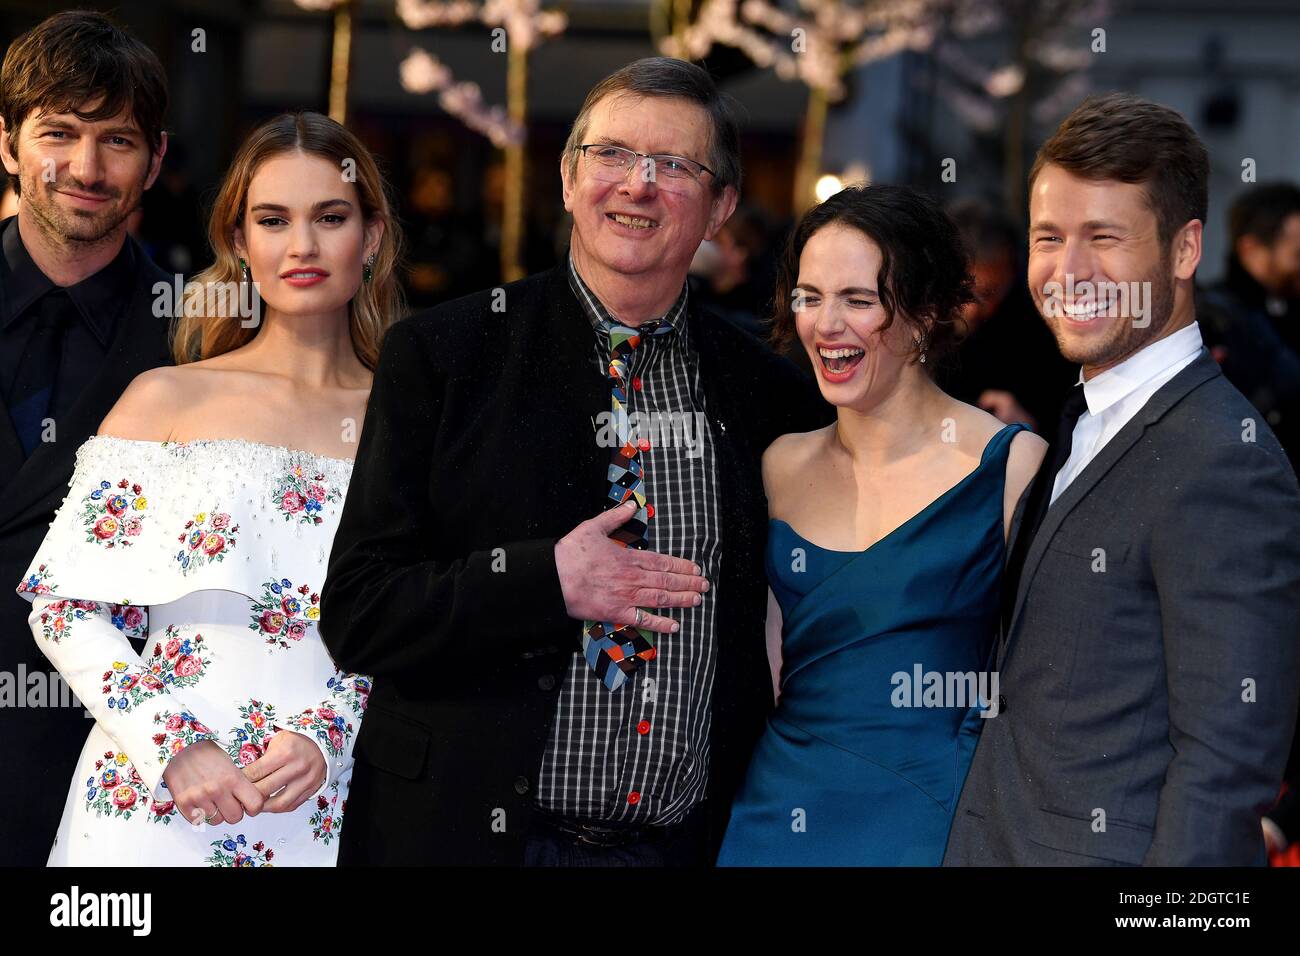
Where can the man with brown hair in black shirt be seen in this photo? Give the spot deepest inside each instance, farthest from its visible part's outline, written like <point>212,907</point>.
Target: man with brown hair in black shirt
<point>81,137</point>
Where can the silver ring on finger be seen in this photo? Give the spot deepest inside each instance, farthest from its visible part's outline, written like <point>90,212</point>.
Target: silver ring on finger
<point>199,811</point>
<point>639,616</point>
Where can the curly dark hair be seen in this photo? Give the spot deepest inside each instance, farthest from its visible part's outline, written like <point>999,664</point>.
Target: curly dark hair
<point>924,271</point>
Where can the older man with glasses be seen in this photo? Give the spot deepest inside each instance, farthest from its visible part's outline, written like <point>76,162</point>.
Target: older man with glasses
<point>551,554</point>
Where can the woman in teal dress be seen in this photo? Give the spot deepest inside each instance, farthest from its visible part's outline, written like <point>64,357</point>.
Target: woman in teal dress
<point>885,550</point>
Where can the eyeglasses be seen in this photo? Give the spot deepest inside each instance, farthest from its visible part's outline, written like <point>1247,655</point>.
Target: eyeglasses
<point>611,163</point>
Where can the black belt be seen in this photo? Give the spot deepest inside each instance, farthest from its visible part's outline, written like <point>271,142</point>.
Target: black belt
<point>614,834</point>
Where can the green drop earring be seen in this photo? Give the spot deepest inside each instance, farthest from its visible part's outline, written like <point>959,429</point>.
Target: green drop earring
<point>368,268</point>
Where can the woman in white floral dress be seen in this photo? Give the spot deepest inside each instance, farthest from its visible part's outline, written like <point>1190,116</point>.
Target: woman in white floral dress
<point>178,589</point>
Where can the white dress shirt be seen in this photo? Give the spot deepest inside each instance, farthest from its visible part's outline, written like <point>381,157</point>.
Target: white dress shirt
<point>1117,394</point>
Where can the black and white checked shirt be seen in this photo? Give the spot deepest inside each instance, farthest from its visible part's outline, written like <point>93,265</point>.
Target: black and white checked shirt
<point>641,754</point>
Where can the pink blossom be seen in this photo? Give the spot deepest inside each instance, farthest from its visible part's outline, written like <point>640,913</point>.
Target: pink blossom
<point>105,527</point>
<point>188,665</point>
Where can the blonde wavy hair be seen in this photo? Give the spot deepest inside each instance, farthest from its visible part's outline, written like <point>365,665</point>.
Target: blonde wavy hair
<point>203,328</point>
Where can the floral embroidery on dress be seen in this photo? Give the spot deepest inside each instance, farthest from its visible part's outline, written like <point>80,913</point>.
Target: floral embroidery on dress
<point>106,515</point>
<point>327,822</point>
<point>281,616</point>
<point>115,789</point>
<point>206,537</point>
<point>186,656</point>
<point>57,617</point>
<point>298,497</point>
<point>179,731</point>
<point>249,740</point>
<point>162,811</point>
<point>235,851</point>
<point>351,689</point>
<point>178,663</point>
<point>327,725</point>
<point>36,582</point>
<point>129,619</point>
<point>325,722</point>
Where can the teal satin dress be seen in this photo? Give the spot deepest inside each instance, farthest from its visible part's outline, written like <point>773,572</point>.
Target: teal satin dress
<point>863,760</point>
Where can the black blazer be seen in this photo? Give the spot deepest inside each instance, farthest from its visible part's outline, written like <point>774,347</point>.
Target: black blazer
<point>45,741</point>
<point>479,447</point>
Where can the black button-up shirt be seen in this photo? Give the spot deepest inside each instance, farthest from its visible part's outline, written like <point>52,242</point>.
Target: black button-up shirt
<point>91,311</point>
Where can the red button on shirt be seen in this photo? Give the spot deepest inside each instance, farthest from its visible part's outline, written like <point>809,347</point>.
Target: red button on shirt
<point>634,798</point>
<point>636,382</point>
<point>643,728</point>
<point>643,444</point>
<point>649,511</point>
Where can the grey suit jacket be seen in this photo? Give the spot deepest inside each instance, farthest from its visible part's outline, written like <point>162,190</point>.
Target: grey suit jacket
<point>1150,668</point>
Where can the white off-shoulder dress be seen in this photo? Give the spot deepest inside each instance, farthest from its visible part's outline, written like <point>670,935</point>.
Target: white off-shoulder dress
<point>178,593</point>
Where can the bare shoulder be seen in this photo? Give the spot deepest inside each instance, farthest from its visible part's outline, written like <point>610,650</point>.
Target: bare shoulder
<point>1023,459</point>
<point>788,456</point>
<point>973,427</point>
<point>146,408</point>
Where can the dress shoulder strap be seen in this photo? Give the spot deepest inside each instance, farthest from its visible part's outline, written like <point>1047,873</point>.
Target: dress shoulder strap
<point>999,445</point>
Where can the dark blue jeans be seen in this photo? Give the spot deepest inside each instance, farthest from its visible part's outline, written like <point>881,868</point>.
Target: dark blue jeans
<point>681,845</point>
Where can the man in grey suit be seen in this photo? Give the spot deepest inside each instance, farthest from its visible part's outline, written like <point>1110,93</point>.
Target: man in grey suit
<point>1149,654</point>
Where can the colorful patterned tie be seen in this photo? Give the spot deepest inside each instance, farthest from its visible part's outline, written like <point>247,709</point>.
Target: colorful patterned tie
<point>615,651</point>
